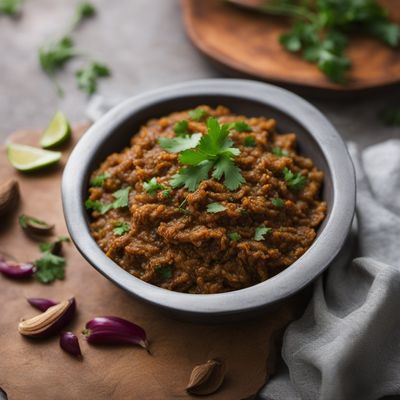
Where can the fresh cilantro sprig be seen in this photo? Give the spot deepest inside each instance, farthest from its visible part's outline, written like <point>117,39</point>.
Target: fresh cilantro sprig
<point>84,10</point>
<point>87,77</point>
<point>249,141</point>
<point>241,126</point>
<point>320,29</point>
<point>294,181</point>
<point>234,236</point>
<point>121,227</point>
<point>121,200</point>
<point>10,7</point>
<point>212,152</point>
<point>278,202</point>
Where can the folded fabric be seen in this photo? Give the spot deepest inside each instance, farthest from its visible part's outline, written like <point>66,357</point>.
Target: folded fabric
<point>346,345</point>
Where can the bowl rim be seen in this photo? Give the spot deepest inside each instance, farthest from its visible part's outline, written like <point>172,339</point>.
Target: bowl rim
<point>298,275</point>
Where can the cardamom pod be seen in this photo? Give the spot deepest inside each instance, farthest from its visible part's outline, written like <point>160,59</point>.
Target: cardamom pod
<point>9,195</point>
<point>49,322</point>
<point>206,378</point>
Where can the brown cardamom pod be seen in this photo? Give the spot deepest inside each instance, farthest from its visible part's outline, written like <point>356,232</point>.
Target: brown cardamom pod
<point>206,378</point>
<point>9,195</point>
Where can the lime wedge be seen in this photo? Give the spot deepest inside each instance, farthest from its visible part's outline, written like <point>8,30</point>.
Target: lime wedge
<point>28,158</point>
<point>57,132</point>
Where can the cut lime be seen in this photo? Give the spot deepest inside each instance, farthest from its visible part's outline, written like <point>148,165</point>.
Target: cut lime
<point>28,158</point>
<point>57,132</point>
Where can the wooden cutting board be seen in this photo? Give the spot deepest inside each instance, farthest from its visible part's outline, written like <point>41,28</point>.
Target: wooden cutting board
<point>246,42</point>
<point>40,370</point>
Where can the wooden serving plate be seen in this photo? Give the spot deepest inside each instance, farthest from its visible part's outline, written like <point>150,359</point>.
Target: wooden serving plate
<point>246,41</point>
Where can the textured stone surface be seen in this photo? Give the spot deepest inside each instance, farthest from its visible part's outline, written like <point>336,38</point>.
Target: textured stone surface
<point>144,43</point>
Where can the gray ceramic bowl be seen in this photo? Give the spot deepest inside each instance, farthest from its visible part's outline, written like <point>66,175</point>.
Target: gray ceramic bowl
<point>316,138</point>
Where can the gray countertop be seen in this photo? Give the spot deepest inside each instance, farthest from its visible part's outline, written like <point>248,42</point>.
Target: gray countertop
<point>145,45</point>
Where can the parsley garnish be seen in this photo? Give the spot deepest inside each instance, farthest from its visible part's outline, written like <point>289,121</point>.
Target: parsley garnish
<point>294,181</point>
<point>121,200</point>
<point>166,193</point>
<point>87,77</point>
<point>249,141</point>
<point>197,114</point>
<point>178,144</point>
<point>181,128</point>
<point>242,126</point>
<point>234,236</point>
<point>260,232</point>
<point>213,152</point>
<point>215,208</point>
<point>165,272</point>
<point>279,152</point>
<point>277,202</point>
<point>10,7</point>
<point>121,227</point>
<point>98,181</point>
<point>50,266</point>
<point>152,186</point>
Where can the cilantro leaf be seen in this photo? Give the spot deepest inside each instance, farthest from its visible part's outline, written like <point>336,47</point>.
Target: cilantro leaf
<point>197,114</point>
<point>226,167</point>
<point>54,55</point>
<point>87,77</point>
<point>260,232</point>
<point>249,141</point>
<point>121,197</point>
<point>277,202</point>
<point>49,268</point>
<point>190,177</point>
<point>179,144</point>
<point>53,247</point>
<point>242,126</point>
<point>121,200</point>
<point>121,227</point>
<point>234,236</point>
<point>181,128</point>
<point>165,272</point>
<point>215,207</point>
<point>279,152</point>
<point>98,181</point>
<point>152,186</point>
<point>294,181</point>
<point>10,7</point>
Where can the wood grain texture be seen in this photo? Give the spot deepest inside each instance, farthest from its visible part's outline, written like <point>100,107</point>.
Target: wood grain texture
<point>40,370</point>
<point>247,41</point>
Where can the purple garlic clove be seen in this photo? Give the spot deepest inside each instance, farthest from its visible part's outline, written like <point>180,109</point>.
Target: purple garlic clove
<point>49,322</point>
<point>114,330</point>
<point>70,344</point>
<point>41,304</point>
<point>16,270</point>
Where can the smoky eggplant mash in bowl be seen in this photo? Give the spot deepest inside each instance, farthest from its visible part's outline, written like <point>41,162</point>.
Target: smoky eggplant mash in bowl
<point>210,198</point>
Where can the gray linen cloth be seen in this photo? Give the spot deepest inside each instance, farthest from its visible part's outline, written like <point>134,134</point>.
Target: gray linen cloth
<point>346,346</point>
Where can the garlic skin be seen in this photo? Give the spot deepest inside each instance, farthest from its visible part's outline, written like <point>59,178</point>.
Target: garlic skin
<point>49,322</point>
<point>206,378</point>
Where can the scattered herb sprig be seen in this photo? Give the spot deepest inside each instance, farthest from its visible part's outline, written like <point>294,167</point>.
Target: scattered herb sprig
<point>320,30</point>
<point>121,227</point>
<point>88,76</point>
<point>294,181</point>
<point>10,7</point>
<point>260,233</point>
<point>121,200</point>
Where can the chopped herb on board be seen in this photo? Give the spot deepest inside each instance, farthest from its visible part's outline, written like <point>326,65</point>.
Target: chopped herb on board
<point>87,77</point>
<point>49,267</point>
